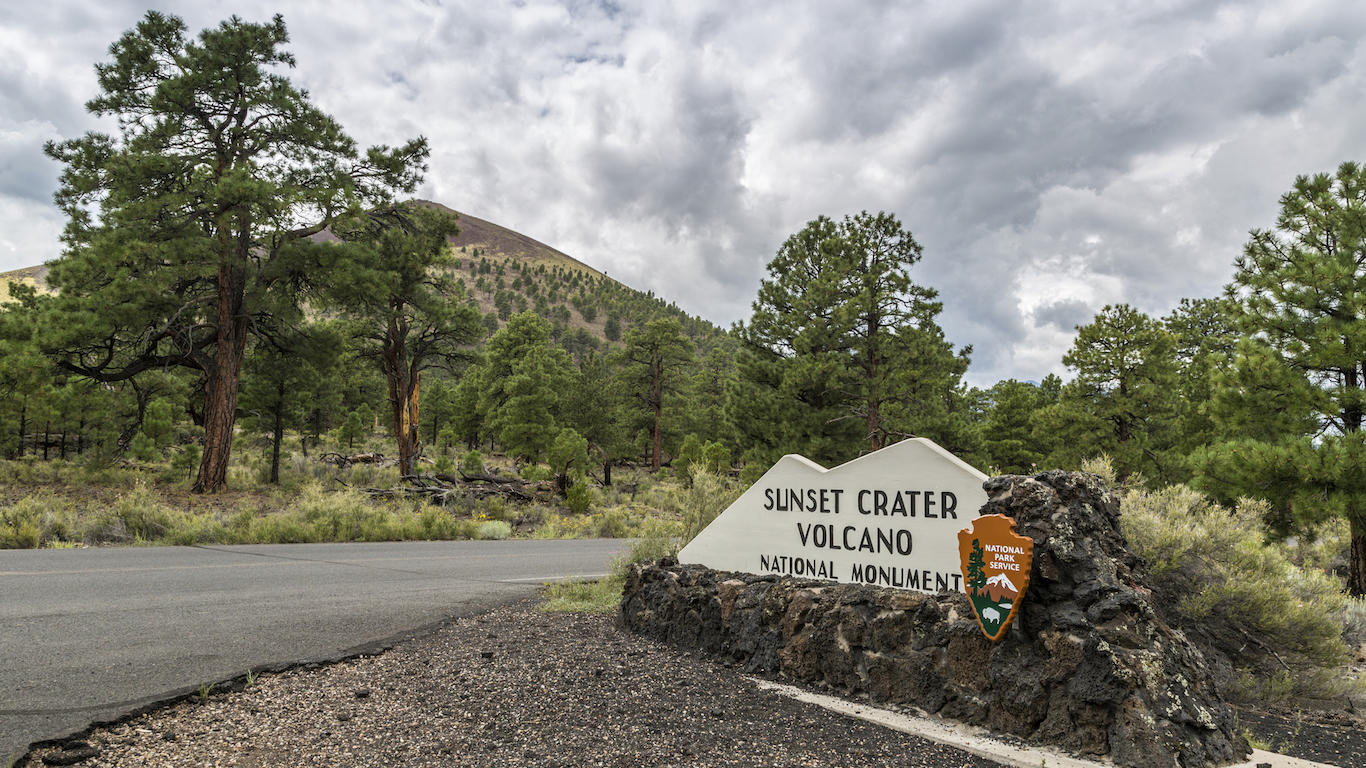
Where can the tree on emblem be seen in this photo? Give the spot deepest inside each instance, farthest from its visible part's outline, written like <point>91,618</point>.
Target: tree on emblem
<point>977,575</point>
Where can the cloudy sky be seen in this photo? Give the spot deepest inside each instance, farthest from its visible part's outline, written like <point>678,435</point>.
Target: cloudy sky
<point>1050,156</point>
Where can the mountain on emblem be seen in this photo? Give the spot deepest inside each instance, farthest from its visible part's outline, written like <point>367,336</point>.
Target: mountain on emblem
<point>994,559</point>
<point>1000,580</point>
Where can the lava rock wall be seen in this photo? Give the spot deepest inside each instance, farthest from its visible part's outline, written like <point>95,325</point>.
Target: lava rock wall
<point>1087,665</point>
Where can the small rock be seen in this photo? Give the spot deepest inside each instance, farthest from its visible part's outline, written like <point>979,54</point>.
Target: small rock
<point>362,693</point>
<point>343,716</point>
<point>486,654</point>
<point>169,736</point>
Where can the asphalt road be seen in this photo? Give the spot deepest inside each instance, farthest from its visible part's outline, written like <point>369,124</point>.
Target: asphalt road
<point>92,634</point>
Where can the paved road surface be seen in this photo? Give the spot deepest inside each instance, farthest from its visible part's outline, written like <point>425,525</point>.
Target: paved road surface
<point>91,634</point>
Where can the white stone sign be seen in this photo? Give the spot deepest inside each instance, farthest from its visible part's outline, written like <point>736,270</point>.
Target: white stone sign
<point>890,519</point>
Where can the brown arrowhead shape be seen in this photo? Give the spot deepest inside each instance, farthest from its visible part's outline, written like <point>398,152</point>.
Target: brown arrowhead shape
<point>995,562</point>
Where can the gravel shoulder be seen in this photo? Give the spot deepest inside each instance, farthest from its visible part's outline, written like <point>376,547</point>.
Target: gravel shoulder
<point>517,687</point>
<point>510,687</point>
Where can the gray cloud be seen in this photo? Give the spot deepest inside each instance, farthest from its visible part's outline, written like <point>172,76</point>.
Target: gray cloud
<point>1051,159</point>
<point>1064,315</point>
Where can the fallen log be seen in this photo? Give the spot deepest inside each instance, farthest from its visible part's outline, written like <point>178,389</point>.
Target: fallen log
<point>482,477</point>
<point>343,461</point>
<point>445,490</point>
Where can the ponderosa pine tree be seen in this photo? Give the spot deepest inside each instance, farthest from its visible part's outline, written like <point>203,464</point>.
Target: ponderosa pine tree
<point>654,359</point>
<point>406,314</point>
<point>840,331</point>
<point>520,382</point>
<point>194,222</point>
<point>1123,400</point>
<point>1008,427</point>
<point>1206,335</point>
<point>25,373</point>
<point>1293,397</point>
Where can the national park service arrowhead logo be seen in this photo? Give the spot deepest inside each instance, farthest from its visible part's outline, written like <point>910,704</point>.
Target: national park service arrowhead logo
<point>995,562</point>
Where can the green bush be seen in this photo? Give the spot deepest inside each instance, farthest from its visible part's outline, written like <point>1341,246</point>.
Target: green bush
<point>141,514</point>
<point>716,457</point>
<point>472,463</point>
<point>143,448</point>
<point>187,461</point>
<point>613,524</point>
<point>19,528</point>
<point>1216,577</point>
<point>39,520</point>
<point>494,530</point>
<point>689,454</point>
<point>443,465</point>
<point>579,497</point>
<point>699,504</point>
<point>535,473</point>
<point>753,469</point>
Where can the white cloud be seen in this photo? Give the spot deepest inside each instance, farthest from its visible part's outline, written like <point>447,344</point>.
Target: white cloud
<point>1051,158</point>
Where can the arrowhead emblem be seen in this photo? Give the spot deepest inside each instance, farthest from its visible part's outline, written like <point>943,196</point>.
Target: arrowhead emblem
<point>995,562</point>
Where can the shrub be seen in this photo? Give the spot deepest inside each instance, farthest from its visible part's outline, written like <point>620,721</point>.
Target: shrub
<point>568,457</point>
<point>699,504</point>
<point>716,457</point>
<point>1215,576</point>
<point>19,527</point>
<point>38,520</point>
<point>689,454</point>
<point>443,464</point>
<point>143,448</point>
<point>754,467</point>
<point>535,473</point>
<point>140,514</point>
<point>579,497</point>
<point>185,462</point>
<point>613,524</point>
<point>472,463</point>
<point>494,530</point>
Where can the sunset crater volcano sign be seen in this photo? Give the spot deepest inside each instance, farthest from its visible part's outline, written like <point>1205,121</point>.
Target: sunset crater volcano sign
<point>889,519</point>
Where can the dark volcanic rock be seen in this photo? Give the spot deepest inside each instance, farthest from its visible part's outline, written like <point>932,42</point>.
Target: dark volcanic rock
<point>1087,665</point>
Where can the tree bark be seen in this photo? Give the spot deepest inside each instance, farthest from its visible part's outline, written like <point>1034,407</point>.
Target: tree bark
<point>657,400</point>
<point>224,380</point>
<point>403,397</point>
<point>278,434</point>
<point>23,425</point>
<point>1356,571</point>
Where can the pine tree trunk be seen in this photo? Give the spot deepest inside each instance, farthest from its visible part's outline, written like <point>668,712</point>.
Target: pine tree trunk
<point>278,435</point>
<point>220,392</point>
<point>1356,572</point>
<point>23,426</point>
<point>403,394</point>
<point>657,400</point>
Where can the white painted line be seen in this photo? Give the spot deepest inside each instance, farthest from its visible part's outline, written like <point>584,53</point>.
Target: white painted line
<point>979,741</point>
